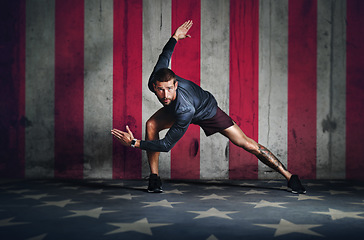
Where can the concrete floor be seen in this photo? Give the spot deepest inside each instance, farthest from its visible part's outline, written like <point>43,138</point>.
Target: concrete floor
<point>122,209</point>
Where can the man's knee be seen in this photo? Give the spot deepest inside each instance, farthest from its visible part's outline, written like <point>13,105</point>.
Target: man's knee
<point>151,126</point>
<point>159,121</point>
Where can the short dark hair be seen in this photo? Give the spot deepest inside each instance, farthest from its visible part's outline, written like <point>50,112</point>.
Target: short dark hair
<point>164,75</point>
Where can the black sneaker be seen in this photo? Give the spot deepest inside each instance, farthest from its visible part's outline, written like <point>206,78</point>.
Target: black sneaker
<point>155,184</point>
<point>294,184</point>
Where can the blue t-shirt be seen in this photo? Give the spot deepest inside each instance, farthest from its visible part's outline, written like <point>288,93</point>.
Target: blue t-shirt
<point>191,105</point>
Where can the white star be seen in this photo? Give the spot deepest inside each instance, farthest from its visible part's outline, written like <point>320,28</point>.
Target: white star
<point>359,203</point>
<point>39,237</point>
<point>307,197</point>
<point>175,191</point>
<point>94,213</point>
<point>7,222</point>
<point>213,212</point>
<point>70,188</point>
<point>337,214</point>
<point>99,191</point>
<point>337,181</point>
<point>286,227</point>
<point>37,196</point>
<point>125,196</point>
<point>212,237</point>
<point>162,203</point>
<point>19,191</point>
<point>255,192</point>
<point>214,187</point>
<point>275,181</point>
<point>334,192</point>
<point>247,184</point>
<point>57,203</point>
<point>141,226</point>
<point>264,203</point>
<point>213,196</point>
<point>213,181</point>
<point>282,187</point>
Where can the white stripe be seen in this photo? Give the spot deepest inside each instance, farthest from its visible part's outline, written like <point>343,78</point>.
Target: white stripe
<point>98,87</point>
<point>331,88</point>
<point>215,79</point>
<point>273,74</point>
<point>39,88</point>
<point>157,19</point>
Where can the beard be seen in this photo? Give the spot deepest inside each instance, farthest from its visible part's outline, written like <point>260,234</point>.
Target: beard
<point>165,101</point>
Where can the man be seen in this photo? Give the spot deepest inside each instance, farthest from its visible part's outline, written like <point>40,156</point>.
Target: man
<point>184,103</point>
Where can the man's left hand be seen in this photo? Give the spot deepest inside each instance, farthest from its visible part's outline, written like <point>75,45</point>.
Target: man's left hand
<point>124,137</point>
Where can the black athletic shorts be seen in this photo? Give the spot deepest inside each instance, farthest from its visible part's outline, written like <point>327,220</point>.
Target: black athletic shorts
<point>215,124</point>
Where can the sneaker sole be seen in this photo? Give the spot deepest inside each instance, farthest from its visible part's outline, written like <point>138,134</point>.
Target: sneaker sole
<point>155,191</point>
<point>296,192</point>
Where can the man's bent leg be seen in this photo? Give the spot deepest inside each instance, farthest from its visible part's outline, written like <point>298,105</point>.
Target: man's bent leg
<point>237,136</point>
<point>159,121</point>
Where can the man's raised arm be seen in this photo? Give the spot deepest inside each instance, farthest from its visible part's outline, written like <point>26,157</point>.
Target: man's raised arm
<point>165,56</point>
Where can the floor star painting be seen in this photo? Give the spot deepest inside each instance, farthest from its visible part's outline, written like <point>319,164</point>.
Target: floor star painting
<point>206,210</point>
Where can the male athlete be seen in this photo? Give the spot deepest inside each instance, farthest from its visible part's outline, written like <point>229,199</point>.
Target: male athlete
<point>184,103</point>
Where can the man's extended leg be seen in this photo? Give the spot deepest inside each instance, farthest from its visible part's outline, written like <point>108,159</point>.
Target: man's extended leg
<point>237,136</point>
<point>159,121</point>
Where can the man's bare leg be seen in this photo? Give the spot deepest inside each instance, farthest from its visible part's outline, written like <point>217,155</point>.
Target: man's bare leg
<point>153,157</point>
<point>159,121</point>
<point>237,136</point>
<point>266,157</point>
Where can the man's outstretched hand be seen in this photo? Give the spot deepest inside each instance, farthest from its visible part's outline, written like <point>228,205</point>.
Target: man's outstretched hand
<point>181,32</point>
<point>124,137</point>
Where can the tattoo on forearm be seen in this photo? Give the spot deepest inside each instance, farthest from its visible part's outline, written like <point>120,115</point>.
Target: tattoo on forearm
<point>269,159</point>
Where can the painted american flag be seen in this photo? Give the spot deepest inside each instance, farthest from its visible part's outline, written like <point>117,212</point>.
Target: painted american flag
<point>289,72</point>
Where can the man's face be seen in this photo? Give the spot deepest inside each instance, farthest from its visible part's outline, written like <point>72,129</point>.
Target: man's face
<point>166,91</point>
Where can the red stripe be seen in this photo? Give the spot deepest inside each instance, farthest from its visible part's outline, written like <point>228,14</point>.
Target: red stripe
<point>127,85</point>
<point>69,67</point>
<point>21,84</point>
<point>354,89</point>
<point>244,60</point>
<point>185,156</point>
<point>302,36</point>
<point>12,89</point>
